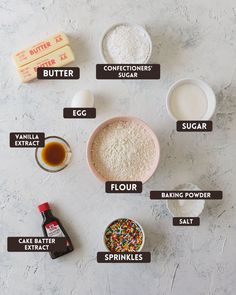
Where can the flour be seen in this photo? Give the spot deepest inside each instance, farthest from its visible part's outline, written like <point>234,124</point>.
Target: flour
<point>123,151</point>
<point>126,44</point>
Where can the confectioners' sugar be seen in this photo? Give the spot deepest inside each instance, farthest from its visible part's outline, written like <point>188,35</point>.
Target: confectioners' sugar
<point>123,151</point>
<point>126,44</point>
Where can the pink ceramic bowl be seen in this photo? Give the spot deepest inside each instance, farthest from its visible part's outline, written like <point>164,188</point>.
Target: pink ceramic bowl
<point>126,119</point>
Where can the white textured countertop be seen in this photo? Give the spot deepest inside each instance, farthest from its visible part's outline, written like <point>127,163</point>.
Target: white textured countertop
<point>190,38</point>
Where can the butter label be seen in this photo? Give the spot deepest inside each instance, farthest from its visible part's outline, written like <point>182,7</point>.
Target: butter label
<point>40,49</point>
<point>55,73</point>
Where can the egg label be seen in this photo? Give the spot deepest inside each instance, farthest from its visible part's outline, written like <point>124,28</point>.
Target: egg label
<point>186,195</point>
<point>79,113</point>
<point>194,126</point>
<point>56,73</point>
<point>128,71</point>
<point>186,221</point>
<point>126,257</point>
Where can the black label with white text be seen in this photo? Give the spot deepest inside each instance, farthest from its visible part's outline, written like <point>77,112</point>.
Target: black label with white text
<point>57,73</point>
<point>186,221</point>
<point>186,195</point>
<point>128,71</point>
<point>27,139</point>
<point>194,126</point>
<point>124,257</point>
<point>124,187</point>
<point>79,113</point>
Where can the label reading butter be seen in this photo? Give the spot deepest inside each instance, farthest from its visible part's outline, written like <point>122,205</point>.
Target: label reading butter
<point>58,58</point>
<point>68,73</point>
<point>40,49</point>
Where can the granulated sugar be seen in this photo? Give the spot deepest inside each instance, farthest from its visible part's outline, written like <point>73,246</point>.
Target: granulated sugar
<point>123,151</point>
<point>126,44</point>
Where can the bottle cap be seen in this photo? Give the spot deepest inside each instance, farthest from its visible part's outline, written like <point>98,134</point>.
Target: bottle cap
<point>43,207</point>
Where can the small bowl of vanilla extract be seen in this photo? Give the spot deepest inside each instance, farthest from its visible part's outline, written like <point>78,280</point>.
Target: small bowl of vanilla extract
<point>55,155</point>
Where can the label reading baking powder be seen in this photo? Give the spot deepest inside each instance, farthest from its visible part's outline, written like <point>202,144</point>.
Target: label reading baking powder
<point>194,126</point>
<point>186,221</point>
<point>124,257</point>
<point>186,195</point>
<point>124,187</point>
<point>56,73</point>
<point>128,71</point>
<point>79,113</point>
<point>36,244</point>
<point>27,139</point>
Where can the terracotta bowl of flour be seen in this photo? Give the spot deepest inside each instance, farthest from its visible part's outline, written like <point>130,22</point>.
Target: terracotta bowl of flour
<point>123,149</point>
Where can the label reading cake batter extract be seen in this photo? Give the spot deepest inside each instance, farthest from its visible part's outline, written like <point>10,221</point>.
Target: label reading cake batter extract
<point>124,187</point>
<point>194,126</point>
<point>27,139</point>
<point>124,257</point>
<point>128,71</point>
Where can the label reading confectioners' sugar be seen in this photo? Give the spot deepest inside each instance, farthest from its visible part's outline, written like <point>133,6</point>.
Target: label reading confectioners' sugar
<point>124,187</point>
<point>79,113</point>
<point>194,126</point>
<point>27,139</point>
<point>124,257</point>
<point>54,230</point>
<point>56,73</point>
<point>186,221</point>
<point>128,71</point>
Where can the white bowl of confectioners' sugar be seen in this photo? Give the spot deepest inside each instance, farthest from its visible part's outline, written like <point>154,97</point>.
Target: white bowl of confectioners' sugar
<point>190,99</point>
<point>126,44</point>
<point>186,207</point>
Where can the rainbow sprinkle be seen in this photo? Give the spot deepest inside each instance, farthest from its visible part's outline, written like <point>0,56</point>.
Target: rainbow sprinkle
<point>123,235</point>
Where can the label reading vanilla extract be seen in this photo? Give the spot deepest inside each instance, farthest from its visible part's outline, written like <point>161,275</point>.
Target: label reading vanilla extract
<point>128,71</point>
<point>124,257</point>
<point>27,139</point>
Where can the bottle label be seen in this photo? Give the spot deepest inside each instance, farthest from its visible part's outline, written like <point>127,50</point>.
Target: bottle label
<point>54,230</point>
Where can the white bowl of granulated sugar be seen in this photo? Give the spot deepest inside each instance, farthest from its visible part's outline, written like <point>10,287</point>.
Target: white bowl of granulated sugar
<point>123,149</point>
<point>126,43</point>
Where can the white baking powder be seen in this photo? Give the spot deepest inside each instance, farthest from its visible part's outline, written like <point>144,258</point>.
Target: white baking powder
<point>123,151</point>
<point>126,44</point>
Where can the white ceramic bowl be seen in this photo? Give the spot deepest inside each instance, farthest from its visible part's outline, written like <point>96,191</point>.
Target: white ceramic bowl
<point>103,55</point>
<point>197,205</point>
<point>134,221</point>
<point>211,99</point>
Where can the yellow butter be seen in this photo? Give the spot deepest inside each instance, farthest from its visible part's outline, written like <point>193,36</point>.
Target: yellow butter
<point>57,58</point>
<point>40,49</point>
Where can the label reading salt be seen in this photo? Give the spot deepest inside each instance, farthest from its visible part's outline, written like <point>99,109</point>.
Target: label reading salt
<point>194,126</point>
<point>124,257</point>
<point>27,139</point>
<point>56,73</point>
<point>128,71</point>
<point>186,195</point>
<point>186,221</point>
<point>124,187</point>
<point>79,113</point>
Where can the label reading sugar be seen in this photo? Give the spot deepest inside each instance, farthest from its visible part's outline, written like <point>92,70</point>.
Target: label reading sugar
<point>186,195</point>
<point>79,113</point>
<point>36,244</point>
<point>124,257</point>
<point>56,73</point>
<point>127,71</point>
<point>54,230</point>
<point>27,139</point>
<point>124,187</point>
<point>186,221</point>
<point>194,126</point>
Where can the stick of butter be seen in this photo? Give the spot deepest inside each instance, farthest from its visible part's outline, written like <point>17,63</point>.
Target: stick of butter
<point>40,49</point>
<point>58,58</point>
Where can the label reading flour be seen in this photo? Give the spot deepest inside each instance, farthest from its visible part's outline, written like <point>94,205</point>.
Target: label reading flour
<point>128,71</point>
<point>27,139</point>
<point>123,187</point>
<point>194,126</point>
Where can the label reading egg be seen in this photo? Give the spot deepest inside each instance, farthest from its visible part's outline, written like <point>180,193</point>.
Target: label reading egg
<point>79,113</point>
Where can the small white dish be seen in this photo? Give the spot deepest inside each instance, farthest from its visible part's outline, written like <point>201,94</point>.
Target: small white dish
<point>103,55</point>
<point>185,208</point>
<point>210,96</point>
